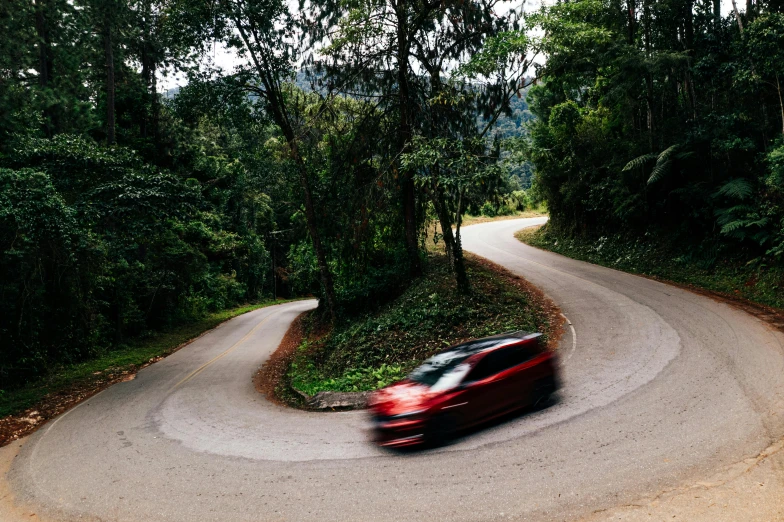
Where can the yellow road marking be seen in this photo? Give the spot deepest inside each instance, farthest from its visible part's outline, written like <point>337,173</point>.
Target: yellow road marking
<point>201,368</point>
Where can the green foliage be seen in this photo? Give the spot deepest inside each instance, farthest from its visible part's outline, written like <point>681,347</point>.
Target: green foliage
<point>126,212</point>
<point>96,246</point>
<point>353,380</point>
<point>657,118</point>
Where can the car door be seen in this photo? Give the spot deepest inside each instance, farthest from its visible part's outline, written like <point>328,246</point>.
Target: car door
<point>523,371</point>
<point>486,387</point>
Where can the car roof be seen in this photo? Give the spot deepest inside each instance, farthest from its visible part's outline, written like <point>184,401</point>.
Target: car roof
<point>494,341</point>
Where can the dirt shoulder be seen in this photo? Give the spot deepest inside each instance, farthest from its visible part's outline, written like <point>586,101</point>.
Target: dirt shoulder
<point>469,220</point>
<point>272,374</point>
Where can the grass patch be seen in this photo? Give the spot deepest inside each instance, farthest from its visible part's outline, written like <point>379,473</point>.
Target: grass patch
<point>373,350</point>
<point>76,379</point>
<point>705,268</point>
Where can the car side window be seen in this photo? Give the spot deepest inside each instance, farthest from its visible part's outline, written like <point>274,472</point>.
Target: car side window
<point>492,363</point>
<point>522,353</point>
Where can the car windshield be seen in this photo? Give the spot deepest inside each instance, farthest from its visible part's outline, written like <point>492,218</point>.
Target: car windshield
<point>442,365</point>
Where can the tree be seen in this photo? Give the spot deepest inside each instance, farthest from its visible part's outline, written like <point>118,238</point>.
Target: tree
<point>764,46</point>
<point>263,33</point>
<point>396,55</point>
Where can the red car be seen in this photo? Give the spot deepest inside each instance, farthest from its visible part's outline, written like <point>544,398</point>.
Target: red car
<point>463,386</point>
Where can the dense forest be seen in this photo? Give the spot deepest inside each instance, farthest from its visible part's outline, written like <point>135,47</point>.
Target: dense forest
<point>344,134</point>
<point>314,167</point>
<point>663,120</point>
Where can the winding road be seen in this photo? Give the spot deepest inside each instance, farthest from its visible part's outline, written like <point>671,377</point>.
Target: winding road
<point>662,387</point>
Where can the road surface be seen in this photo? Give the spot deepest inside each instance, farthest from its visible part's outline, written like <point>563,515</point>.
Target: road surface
<point>662,387</point>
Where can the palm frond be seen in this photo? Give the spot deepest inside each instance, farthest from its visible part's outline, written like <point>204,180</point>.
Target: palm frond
<point>663,161</point>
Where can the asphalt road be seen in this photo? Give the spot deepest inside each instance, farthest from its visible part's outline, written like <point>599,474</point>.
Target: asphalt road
<point>662,387</point>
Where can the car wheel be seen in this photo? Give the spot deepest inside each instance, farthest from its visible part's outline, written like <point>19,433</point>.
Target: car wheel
<point>442,430</point>
<point>543,390</point>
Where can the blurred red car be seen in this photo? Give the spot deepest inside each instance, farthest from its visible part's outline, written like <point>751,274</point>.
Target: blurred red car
<point>463,386</point>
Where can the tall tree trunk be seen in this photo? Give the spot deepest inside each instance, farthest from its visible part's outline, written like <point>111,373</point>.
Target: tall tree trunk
<point>688,24</point>
<point>277,108</point>
<point>44,43</point>
<point>688,32</point>
<point>45,58</point>
<point>404,137</point>
<point>631,8</point>
<point>109,54</point>
<point>460,270</point>
<point>310,211</point>
<point>149,61</point>
<point>648,75</point>
<point>452,244</point>
<point>437,197</point>
<point>154,101</point>
<point>145,60</point>
<point>781,102</point>
<point>716,13</point>
<point>737,16</point>
<point>310,216</point>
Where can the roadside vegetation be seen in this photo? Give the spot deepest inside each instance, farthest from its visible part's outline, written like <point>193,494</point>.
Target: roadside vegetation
<point>383,345</point>
<point>726,273</point>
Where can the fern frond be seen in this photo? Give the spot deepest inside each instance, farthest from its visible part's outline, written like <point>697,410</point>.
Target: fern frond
<point>639,161</point>
<point>684,155</point>
<point>732,226</point>
<point>664,156</point>
<point>659,171</point>
<point>740,212</point>
<point>738,188</point>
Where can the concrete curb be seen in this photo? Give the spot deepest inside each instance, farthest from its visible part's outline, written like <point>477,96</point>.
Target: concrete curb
<point>329,401</point>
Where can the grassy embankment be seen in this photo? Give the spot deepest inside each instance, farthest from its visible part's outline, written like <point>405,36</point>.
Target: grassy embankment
<point>371,351</point>
<point>70,383</point>
<point>726,275</point>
